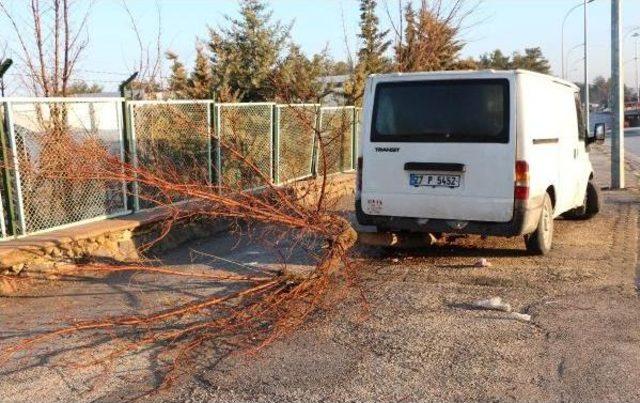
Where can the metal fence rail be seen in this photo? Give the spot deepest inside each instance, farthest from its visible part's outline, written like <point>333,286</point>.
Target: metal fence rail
<point>195,139</point>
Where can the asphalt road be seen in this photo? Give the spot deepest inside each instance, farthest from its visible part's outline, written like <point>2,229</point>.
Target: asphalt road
<point>632,141</point>
<point>411,338</point>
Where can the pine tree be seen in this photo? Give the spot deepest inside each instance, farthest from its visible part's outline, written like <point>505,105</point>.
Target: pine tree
<point>404,59</point>
<point>82,87</point>
<point>374,46</point>
<point>298,76</point>
<point>371,56</point>
<point>495,60</point>
<point>201,78</point>
<point>431,40</point>
<point>532,59</point>
<point>245,55</point>
<point>178,83</point>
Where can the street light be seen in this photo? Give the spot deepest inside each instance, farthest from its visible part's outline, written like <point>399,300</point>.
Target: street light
<point>636,36</point>
<point>4,66</point>
<point>569,52</point>
<point>587,103</point>
<point>564,21</point>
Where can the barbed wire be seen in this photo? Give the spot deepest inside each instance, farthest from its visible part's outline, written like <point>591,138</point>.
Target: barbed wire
<point>82,79</point>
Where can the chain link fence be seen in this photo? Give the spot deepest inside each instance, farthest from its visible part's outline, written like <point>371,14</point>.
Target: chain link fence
<point>337,134</point>
<point>297,126</point>
<point>37,131</point>
<point>172,139</point>
<point>245,135</point>
<point>234,146</point>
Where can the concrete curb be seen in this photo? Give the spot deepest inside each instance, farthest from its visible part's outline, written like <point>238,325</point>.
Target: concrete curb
<point>119,239</point>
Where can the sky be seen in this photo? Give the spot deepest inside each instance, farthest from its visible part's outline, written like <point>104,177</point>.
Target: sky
<point>508,25</point>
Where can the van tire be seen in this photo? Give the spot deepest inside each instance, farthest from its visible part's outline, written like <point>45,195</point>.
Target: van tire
<point>539,242</point>
<point>590,207</point>
<point>593,200</point>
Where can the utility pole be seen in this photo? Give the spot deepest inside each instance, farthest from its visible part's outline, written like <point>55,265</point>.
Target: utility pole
<point>586,68</point>
<point>617,98</point>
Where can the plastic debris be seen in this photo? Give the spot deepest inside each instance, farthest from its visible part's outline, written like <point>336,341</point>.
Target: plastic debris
<point>492,304</point>
<point>483,263</point>
<point>520,316</point>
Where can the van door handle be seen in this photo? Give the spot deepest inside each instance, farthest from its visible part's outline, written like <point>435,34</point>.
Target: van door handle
<point>575,153</point>
<point>434,166</point>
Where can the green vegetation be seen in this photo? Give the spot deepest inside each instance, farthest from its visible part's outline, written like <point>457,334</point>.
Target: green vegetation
<point>532,59</point>
<point>82,87</point>
<point>371,56</point>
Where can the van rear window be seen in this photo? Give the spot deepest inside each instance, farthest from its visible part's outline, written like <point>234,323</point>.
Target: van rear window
<point>444,111</point>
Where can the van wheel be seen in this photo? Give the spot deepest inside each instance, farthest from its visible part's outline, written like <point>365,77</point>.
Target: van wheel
<point>539,242</point>
<point>589,208</point>
<point>592,201</point>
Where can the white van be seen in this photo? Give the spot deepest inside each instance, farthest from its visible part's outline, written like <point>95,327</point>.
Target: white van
<point>484,152</point>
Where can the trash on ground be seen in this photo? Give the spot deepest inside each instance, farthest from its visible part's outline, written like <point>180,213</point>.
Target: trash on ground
<point>492,304</point>
<point>520,316</point>
<point>483,263</point>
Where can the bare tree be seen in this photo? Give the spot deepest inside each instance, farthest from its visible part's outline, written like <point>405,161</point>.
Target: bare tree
<point>265,304</point>
<point>51,43</point>
<point>149,63</point>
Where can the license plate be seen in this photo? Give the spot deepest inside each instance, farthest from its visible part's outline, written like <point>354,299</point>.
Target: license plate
<point>428,180</point>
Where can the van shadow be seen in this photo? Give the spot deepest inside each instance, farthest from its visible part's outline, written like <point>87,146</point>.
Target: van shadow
<point>475,248</point>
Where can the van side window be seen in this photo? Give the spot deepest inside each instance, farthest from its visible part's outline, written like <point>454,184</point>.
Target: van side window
<point>581,129</point>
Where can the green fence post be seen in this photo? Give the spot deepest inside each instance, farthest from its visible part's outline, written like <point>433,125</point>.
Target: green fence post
<point>127,142</point>
<point>275,144</point>
<point>354,138</point>
<point>6,175</point>
<point>317,134</point>
<point>217,155</point>
<point>210,131</point>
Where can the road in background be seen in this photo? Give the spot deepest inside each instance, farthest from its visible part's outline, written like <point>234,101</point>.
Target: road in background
<point>632,140</point>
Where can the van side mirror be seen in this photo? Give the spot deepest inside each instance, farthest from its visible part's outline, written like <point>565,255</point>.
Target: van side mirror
<point>598,134</point>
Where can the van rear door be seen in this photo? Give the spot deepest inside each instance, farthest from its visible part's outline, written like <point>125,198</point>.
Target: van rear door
<point>440,148</point>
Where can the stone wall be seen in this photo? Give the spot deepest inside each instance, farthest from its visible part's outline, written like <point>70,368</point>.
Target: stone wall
<point>120,239</point>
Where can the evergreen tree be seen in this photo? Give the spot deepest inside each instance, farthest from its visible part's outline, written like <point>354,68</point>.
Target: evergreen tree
<point>430,40</point>
<point>374,45</point>
<point>298,76</point>
<point>532,59</point>
<point>178,84</point>
<point>245,54</point>
<point>201,78</point>
<point>371,56</point>
<point>404,59</point>
<point>495,60</point>
<point>82,87</point>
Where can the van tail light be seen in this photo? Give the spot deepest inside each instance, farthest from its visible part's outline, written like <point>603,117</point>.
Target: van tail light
<point>522,180</point>
<point>359,175</point>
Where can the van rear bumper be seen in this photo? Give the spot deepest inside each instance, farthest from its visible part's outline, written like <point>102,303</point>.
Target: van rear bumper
<point>525,220</point>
